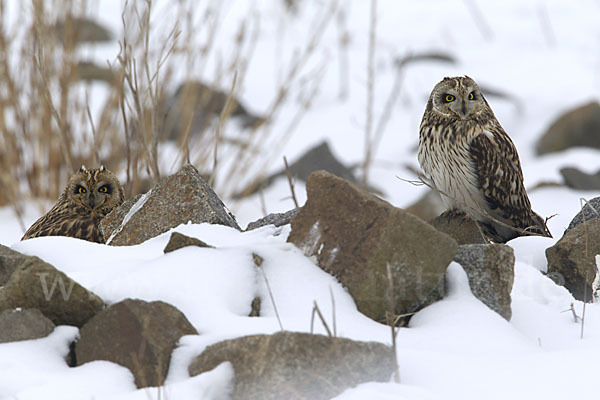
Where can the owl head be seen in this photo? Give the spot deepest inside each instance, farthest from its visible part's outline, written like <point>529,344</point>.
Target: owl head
<point>97,189</point>
<point>458,97</point>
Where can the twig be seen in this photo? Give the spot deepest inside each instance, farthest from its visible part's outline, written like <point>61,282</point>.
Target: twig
<point>392,321</point>
<point>317,311</point>
<point>94,137</point>
<point>479,19</point>
<point>575,316</point>
<point>290,181</point>
<point>258,260</point>
<point>225,112</point>
<point>370,92</point>
<point>546,25</point>
<point>333,316</point>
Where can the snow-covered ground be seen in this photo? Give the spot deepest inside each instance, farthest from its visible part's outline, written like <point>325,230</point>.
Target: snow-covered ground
<point>544,54</point>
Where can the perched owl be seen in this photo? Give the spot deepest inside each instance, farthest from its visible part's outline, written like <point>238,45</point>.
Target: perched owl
<point>89,196</point>
<point>473,163</point>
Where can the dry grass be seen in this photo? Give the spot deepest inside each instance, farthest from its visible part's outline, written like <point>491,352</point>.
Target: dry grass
<point>48,126</point>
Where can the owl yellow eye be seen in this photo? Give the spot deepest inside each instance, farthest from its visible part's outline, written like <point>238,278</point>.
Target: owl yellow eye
<point>472,96</point>
<point>449,98</point>
<point>81,189</point>
<point>103,189</point>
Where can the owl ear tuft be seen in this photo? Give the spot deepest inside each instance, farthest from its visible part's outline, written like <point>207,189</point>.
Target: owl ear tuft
<point>102,168</point>
<point>82,168</point>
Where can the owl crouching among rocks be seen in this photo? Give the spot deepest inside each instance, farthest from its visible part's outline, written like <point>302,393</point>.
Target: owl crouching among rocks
<point>89,196</point>
<point>473,163</point>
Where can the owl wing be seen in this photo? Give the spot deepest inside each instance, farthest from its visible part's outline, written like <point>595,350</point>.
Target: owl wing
<point>500,177</point>
<point>64,220</point>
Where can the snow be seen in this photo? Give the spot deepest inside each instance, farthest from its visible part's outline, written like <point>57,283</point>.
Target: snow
<point>454,349</point>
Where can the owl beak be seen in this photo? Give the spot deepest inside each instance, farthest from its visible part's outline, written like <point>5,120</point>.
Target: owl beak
<point>463,109</point>
<point>91,202</point>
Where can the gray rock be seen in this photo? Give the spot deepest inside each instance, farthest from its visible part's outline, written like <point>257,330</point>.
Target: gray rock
<point>579,180</point>
<point>490,268</point>
<point>195,105</point>
<point>137,335</point>
<point>460,227</point>
<point>89,71</point>
<point>81,30</point>
<point>428,206</point>
<point>178,241</point>
<point>178,199</point>
<point>290,365</point>
<point>22,324</point>
<point>579,127</point>
<point>9,261</point>
<point>571,261</point>
<point>277,219</point>
<point>591,210</point>
<point>37,284</point>
<point>355,236</point>
<point>317,158</point>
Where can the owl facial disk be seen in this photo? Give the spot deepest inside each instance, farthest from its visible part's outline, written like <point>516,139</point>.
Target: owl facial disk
<point>462,103</point>
<point>95,198</point>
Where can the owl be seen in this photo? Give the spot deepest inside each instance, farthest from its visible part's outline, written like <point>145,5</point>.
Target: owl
<point>89,196</point>
<point>473,163</point>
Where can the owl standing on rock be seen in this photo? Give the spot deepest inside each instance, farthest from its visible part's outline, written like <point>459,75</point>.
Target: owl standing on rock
<point>89,196</point>
<point>473,163</point>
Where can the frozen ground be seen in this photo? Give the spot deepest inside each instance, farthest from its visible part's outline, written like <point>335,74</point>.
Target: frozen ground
<point>544,55</point>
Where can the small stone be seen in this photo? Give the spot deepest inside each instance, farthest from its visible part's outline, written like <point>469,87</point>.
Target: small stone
<point>178,241</point>
<point>255,311</point>
<point>20,324</point>
<point>460,227</point>
<point>137,335</point>
<point>178,199</point>
<point>490,269</point>
<point>290,365</point>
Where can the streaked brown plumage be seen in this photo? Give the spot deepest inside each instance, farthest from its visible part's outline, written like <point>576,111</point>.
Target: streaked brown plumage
<point>473,162</point>
<point>89,196</point>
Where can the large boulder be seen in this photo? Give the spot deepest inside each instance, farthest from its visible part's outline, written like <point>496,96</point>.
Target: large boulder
<point>290,365</point>
<point>37,284</point>
<point>490,269</point>
<point>357,237</point>
<point>137,335</point>
<point>579,127</point>
<point>591,210</point>
<point>460,227</point>
<point>571,261</point>
<point>178,199</point>
<point>19,324</point>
